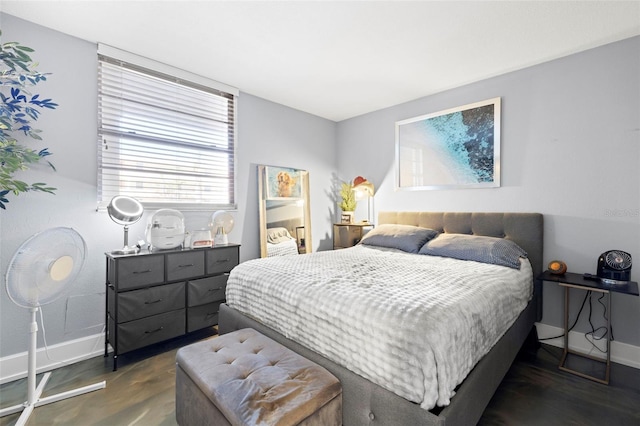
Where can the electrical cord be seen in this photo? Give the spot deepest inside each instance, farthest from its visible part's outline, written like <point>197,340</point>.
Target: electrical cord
<point>574,323</point>
<point>594,330</point>
<point>44,338</point>
<point>46,345</point>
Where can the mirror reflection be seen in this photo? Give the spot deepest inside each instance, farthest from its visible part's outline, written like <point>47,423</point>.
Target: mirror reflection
<point>285,225</point>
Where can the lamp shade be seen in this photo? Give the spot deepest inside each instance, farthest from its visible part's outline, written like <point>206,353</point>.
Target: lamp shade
<point>361,184</point>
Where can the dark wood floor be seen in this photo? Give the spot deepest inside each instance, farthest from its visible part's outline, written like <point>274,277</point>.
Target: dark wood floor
<point>536,392</point>
<point>141,392</point>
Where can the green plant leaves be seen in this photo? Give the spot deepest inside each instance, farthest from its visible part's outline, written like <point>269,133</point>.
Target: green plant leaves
<point>18,109</point>
<point>348,197</point>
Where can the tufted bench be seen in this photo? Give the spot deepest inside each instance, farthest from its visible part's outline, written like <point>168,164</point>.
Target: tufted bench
<point>245,378</point>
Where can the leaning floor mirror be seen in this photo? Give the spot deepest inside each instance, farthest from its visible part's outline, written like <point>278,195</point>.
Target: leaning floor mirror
<point>285,219</point>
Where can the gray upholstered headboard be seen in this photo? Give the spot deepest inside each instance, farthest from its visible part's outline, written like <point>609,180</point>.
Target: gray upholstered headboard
<point>525,229</point>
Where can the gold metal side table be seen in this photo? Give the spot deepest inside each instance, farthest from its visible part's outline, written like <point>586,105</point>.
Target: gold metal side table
<point>570,280</point>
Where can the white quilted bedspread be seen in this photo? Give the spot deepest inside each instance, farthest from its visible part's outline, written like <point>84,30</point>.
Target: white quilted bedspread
<point>284,248</point>
<point>413,324</point>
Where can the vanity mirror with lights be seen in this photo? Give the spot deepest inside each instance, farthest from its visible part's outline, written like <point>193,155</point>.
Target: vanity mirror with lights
<point>285,219</point>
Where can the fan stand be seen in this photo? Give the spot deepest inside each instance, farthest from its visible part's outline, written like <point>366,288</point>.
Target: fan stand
<point>33,393</point>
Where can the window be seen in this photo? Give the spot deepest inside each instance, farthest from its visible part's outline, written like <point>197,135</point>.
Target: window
<point>166,137</point>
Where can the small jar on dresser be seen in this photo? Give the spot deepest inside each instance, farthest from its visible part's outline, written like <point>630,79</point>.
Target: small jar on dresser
<point>153,296</point>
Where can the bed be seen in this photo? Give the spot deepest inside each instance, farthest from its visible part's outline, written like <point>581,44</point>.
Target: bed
<point>368,398</point>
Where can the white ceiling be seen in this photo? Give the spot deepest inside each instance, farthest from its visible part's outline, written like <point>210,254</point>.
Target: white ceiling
<point>340,59</point>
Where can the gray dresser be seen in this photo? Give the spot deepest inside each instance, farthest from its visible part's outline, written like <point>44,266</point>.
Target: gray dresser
<point>156,296</point>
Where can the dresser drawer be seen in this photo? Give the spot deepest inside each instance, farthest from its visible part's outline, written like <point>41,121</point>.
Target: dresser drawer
<point>137,271</point>
<point>206,290</point>
<point>222,260</point>
<point>203,316</point>
<point>136,304</point>
<point>147,331</point>
<point>181,266</point>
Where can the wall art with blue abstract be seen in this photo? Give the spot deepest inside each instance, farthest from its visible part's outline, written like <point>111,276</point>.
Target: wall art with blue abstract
<point>456,148</point>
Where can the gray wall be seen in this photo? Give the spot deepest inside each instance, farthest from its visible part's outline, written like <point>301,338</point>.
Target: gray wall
<point>570,150</point>
<point>268,133</point>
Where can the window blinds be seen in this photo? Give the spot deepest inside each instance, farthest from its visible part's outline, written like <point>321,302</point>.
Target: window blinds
<point>164,140</point>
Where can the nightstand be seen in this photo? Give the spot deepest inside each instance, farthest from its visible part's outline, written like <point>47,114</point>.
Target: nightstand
<point>571,280</point>
<point>349,234</point>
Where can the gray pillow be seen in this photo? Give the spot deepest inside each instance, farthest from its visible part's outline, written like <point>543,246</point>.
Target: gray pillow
<point>496,251</point>
<point>402,237</point>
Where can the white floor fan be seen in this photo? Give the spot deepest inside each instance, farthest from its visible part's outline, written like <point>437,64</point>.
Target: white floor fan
<point>40,271</point>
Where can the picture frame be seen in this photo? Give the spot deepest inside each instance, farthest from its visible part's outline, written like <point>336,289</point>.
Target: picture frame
<point>283,183</point>
<point>346,217</point>
<point>450,149</point>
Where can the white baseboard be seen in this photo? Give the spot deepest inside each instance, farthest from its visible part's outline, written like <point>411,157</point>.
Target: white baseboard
<point>621,353</point>
<point>14,367</point>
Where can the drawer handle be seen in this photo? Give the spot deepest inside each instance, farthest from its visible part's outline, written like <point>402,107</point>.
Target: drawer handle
<point>153,331</point>
<point>151,303</point>
<point>215,289</point>
<point>185,266</point>
<point>142,272</point>
<point>222,260</point>
<point>211,314</point>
